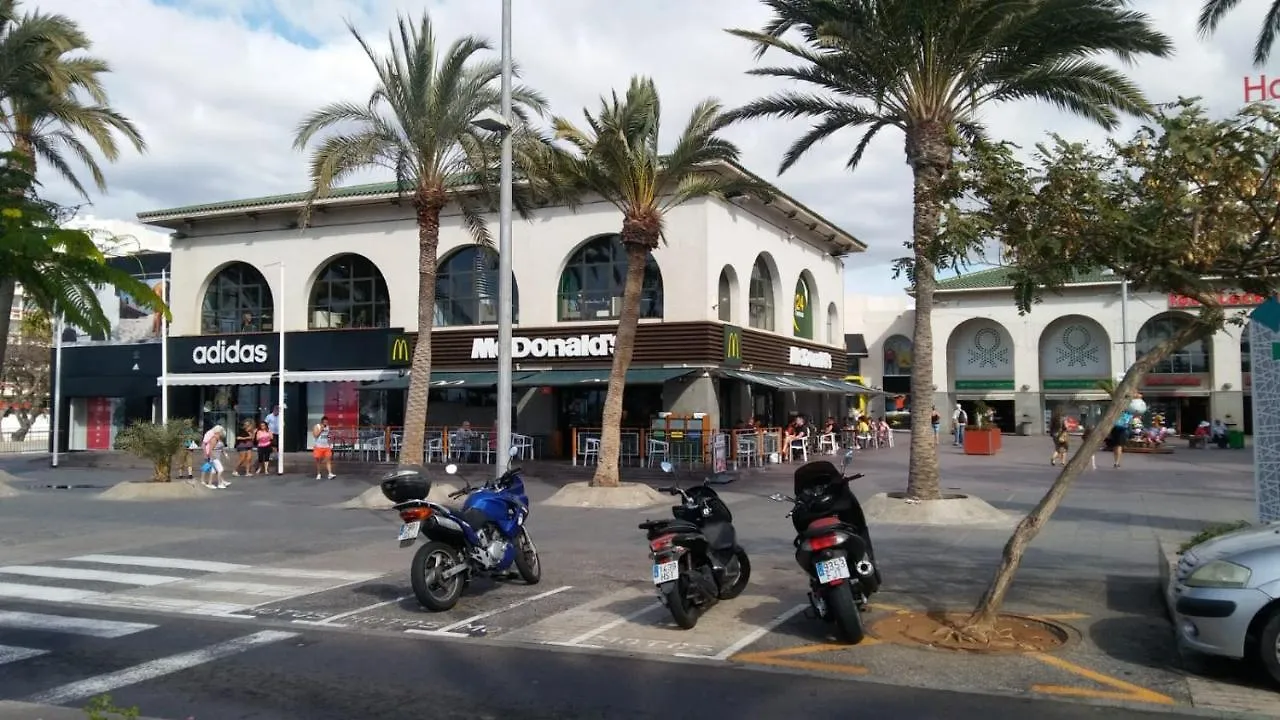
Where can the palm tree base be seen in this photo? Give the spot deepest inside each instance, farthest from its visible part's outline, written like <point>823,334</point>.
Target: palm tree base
<point>624,496</point>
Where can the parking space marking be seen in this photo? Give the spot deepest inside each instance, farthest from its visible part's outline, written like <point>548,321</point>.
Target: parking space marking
<point>786,658</point>
<point>330,621</point>
<point>510,606</point>
<point>579,640</point>
<point>746,640</point>
<point>1121,690</point>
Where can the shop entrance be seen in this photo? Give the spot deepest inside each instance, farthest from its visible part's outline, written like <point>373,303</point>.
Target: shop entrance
<point>1182,414</point>
<point>584,408</point>
<point>1247,420</point>
<point>1004,417</point>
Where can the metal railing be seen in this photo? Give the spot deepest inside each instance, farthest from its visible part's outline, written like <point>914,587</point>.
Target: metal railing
<point>33,441</point>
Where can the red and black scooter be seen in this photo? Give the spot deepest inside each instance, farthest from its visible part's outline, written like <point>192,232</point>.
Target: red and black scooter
<point>833,545</point>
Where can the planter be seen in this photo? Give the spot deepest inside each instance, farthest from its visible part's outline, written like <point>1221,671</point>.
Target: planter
<point>984,441</point>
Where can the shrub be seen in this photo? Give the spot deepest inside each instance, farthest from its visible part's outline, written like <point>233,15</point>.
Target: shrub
<point>156,443</point>
<point>1211,532</point>
<point>101,708</point>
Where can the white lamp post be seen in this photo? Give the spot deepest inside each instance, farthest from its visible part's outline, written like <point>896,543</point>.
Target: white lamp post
<point>279,323</point>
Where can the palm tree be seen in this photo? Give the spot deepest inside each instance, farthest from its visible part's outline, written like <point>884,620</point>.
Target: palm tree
<point>418,123</point>
<point>929,69</point>
<point>1214,10</point>
<point>51,94</point>
<point>617,158</point>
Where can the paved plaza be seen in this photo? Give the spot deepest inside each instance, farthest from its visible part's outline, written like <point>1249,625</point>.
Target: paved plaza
<point>274,561</point>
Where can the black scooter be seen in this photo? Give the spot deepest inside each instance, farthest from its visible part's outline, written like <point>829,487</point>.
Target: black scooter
<point>696,557</point>
<point>833,545</point>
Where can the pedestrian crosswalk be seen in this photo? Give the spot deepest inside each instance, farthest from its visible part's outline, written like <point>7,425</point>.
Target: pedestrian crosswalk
<point>66,624</point>
<point>165,584</point>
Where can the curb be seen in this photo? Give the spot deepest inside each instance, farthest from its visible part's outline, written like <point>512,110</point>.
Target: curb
<point>13,710</point>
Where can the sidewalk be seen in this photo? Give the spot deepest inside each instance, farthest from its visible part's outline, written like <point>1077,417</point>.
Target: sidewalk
<point>13,710</point>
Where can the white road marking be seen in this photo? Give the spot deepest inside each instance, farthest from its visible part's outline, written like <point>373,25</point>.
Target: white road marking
<point>577,641</point>
<point>179,606</point>
<point>9,653</point>
<point>89,687</point>
<point>439,633</point>
<point>303,574</point>
<point>512,606</point>
<point>91,627</point>
<point>329,620</point>
<point>245,588</point>
<point>61,573</point>
<point>43,593</point>
<point>160,562</point>
<point>754,635</point>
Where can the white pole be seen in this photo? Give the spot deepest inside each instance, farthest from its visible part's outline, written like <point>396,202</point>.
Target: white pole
<point>164,351</point>
<point>57,385</point>
<point>1124,325</point>
<point>280,417</point>
<point>502,459</point>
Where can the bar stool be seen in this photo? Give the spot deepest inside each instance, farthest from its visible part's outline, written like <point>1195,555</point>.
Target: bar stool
<point>656,447</point>
<point>589,449</point>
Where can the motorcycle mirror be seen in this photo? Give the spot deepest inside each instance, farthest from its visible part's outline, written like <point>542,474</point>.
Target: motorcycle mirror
<point>667,467</point>
<point>514,451</point>
<point>776,497</point>
<point>451,469</point>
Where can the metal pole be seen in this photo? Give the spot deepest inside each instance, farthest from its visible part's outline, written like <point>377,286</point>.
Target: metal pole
<point>57,386</point>
<point>1124,325</point>
<point>280,401</point>
<point>164,351</point>
<point>502,459</point>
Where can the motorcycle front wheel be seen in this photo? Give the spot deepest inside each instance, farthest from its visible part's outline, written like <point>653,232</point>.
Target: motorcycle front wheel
<point>527,562</point>
<point>434,593</point>
<point>844,610</point>
<point>740,579</point>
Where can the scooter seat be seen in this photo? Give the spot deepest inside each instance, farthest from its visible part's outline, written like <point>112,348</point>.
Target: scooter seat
<point>826,526</point>
<point>665,527</point>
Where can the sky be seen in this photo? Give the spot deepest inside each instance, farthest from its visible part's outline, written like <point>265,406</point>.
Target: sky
<point>217,88</point>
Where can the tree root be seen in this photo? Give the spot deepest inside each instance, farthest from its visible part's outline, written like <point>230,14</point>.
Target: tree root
<point>982,634</point>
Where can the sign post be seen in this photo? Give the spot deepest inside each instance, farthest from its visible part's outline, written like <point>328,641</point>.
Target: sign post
<point>1264,338</point>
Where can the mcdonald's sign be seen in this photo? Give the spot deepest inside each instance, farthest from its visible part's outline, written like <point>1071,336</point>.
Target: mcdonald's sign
<point>732,345</point>
<point>400,350</point>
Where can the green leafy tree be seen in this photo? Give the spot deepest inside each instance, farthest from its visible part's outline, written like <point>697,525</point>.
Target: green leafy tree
<point>929,70</point>
<point>1213,11</point>
<point>418,124</point>
<point>52,99</point>
<point>1184,203</point>
<point>617,157</point>
<point>157,443</point>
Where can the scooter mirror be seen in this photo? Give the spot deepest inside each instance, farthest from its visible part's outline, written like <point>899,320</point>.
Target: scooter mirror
<point>667,467</point>
<point>514,451</point>
<point>776,497</point>
<point>451,469</point>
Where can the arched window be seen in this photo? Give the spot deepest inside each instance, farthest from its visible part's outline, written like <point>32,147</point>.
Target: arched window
<point>593,280</point>
<point>760,298</point>
<point>349,292</point>
<point>833,324</point>
<point>724,296</point>
<point>467,288</point>
<point>238,300</point>
<point>1193,358</point>
<point>802,310</point>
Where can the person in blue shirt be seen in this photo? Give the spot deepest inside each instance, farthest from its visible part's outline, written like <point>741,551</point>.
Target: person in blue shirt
<point>1120,431</point>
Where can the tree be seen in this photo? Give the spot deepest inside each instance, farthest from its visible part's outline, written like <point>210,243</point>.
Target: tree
<point>52,94</point>
<point>25,377</point>
<point>929,69</point>
<point>157,443</point>
<point>1214,10</point>
<point>418,124</point>
<point>617,157</point>
<point>1189,206</point>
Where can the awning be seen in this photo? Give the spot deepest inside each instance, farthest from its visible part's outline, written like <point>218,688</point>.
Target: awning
<point>447,380</point>
<point>340,375</point>
<point>576,378</point>
<point>856,345</point>
<point>197,379</point>
<point>777,382</point>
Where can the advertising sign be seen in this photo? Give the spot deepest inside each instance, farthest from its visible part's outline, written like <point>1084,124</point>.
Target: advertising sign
<point>131,323</point>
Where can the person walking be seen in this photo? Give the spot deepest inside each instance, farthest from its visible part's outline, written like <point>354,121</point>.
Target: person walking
<point>273,424</point>
<point>323,447</point>
<point>960,419</point>
<point>214,444</point>
<point>1061,440</point>
<point>262,438</point>
<point>244,449</point>
<point>935,420</point>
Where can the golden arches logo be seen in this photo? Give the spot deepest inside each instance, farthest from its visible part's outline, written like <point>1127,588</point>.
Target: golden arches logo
<point>400,350</point>
<point>733,346</point>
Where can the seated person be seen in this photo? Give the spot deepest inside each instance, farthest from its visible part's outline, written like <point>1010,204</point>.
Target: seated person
<point>797,430</point>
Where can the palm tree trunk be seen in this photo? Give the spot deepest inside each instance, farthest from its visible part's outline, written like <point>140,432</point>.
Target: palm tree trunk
<point>929,155</point>
<point>8,287</point>
<point>429,203</point>
<point>611,424</point>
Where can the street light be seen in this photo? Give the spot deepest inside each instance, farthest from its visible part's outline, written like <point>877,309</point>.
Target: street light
<point>493,122</point>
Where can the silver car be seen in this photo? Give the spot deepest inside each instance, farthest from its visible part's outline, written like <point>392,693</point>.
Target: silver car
<point>1225,597</point>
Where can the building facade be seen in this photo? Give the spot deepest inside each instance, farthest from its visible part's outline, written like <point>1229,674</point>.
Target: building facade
<point>741,313</point>
<point>1027,366</point>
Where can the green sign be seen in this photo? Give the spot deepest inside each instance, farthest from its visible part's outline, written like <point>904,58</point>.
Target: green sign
<point>802,320</point>
<point>984,384</point>
<point>1073,384</point>
<point>732,345</point>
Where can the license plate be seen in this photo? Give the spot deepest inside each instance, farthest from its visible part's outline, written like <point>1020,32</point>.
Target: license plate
<point>833,569</point>
<point>665,572</point>
<point>409,531</point>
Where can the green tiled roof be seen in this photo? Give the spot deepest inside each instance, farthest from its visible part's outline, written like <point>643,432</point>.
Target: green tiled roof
<point>995,278</point>
<point>369,190</point>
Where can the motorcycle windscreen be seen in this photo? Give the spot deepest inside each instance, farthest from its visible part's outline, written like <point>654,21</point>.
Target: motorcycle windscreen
<point>818,472</point>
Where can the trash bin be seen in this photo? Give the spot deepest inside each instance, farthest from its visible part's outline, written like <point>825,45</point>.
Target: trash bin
<point>1024,428</point>
<point>1235,439</point>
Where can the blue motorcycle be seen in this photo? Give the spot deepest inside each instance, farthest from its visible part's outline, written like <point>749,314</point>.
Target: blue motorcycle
<point>486,535</point>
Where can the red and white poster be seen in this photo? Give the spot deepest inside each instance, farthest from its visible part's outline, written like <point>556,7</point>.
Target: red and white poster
<point>98,425</point>
<point>342,404</point>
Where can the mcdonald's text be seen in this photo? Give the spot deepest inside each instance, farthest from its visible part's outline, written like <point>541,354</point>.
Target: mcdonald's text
<point>810,359</point>
<point>580,346</point>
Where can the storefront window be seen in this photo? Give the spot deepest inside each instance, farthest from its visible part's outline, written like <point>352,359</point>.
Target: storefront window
<point>350,292</point>
<point>350,410</point>
<point>1194,358</point>
<point>1078,415</point>
<point>238,300</point>
<point>467,289</point>
<point>232,405</point>
<point>593,280</point>
<point>760,296</point>
<point>95,422</point>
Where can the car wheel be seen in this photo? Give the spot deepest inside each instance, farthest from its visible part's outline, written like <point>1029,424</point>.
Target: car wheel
<point>1269,646</point>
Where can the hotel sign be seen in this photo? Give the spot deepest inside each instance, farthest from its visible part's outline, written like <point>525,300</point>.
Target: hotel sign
<point>801,357</point>
<point>578,346</point>
<point>1224,299</point>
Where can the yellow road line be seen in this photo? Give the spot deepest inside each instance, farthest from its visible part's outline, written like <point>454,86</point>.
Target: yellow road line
<point>1120,690</point>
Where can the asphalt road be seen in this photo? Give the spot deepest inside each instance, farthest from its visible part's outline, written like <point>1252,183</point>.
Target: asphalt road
<point>181,668</point>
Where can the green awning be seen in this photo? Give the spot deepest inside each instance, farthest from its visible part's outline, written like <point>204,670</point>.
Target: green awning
<point>447,380</point>
<point>578,378</point>
<point>777,382</point>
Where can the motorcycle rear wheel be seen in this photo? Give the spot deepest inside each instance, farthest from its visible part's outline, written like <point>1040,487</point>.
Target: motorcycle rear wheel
<point>844,610</point>
<point>684,612</point>
<point>527,562</point>
<point>432,593</point>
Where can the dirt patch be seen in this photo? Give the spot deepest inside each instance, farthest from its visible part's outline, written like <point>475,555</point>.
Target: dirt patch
<point>937,630</point>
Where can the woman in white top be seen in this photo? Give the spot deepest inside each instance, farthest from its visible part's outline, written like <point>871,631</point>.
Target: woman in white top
<point>214,444</point>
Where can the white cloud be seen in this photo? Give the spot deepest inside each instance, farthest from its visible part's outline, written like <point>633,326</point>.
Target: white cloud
<point>218,99</point>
